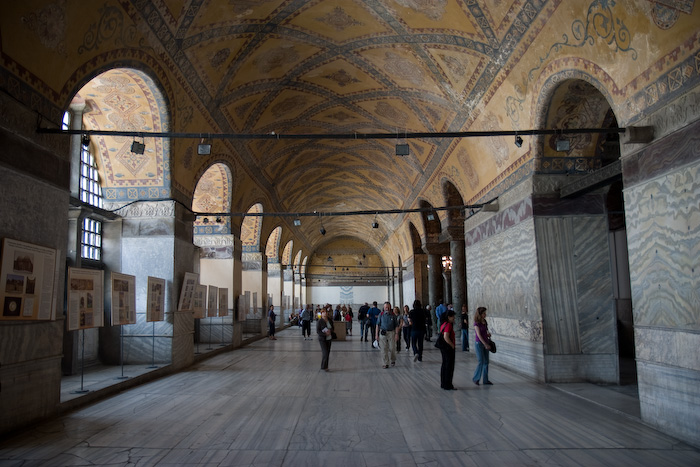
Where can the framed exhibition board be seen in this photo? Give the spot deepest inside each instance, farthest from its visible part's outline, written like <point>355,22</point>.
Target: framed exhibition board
<point>212,300</point>
<point>27,281</point>
<point>85,299</point>
<point>123,299</point>
<point>189,284</point>
<point>198,303</point>
<point>223,302</point>
<point>155,299</point>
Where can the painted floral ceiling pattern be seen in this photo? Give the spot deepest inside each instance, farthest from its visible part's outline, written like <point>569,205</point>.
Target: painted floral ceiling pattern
<point>351,67</point>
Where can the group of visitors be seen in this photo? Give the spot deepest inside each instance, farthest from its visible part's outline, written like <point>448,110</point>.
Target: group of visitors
<point>390,325</point>
<point>482,339</point>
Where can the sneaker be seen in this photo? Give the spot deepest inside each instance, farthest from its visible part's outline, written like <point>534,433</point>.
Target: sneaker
<point>488,383</point>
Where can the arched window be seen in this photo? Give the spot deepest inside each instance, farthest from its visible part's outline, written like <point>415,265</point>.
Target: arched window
<point>90,193</point>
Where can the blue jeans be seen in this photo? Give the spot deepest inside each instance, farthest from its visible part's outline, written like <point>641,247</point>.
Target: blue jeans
<point>363,326</point>
<point>465,339</point>
<point>482,368</point>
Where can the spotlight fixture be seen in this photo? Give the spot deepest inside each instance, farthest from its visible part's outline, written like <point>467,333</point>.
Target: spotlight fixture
<point>375,225</point>
<point>430,216</point>
<point>205,220</point>
<point>402,150</point>
<point>322,230</point>
<point>297,222</point>
<point>518,141</point>
<point>85,141</point>
<point>219,220</point>
<point>563,145</point>
<point>203,149</point>
<point>138,148</point>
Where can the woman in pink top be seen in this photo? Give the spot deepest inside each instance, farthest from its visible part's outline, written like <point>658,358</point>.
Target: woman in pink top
<point>483,345</point>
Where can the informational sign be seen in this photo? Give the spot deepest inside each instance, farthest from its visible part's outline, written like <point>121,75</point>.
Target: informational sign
<point>223,302</point>
<point>123,299</point>
<point>155,298</point>
<point>187,293</point>
<point>212,300</point>
<point>27,281</point>
<point>85,299</point>
<point>200,296</point>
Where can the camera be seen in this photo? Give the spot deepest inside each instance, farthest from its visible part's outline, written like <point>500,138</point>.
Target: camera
<point>383,332</point>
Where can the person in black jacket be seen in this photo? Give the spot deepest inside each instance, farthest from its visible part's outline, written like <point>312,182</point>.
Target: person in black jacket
<point>417,317</point>
<point>324,330</point>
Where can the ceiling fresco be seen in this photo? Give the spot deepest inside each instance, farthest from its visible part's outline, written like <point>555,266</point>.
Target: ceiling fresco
<point>351,67</point>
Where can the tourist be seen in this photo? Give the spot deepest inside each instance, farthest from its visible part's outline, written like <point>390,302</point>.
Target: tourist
<point>447,369</point>
<point>483,345</point>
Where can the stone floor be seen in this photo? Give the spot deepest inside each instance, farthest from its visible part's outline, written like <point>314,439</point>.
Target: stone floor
<point>268,404</point>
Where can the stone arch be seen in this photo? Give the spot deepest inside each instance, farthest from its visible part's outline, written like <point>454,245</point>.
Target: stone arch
<point>127,99</point>
<point>455,217</point>
<point>251,229</point>
<point>432,227</point>
<point>573,99</point>
<point>272,247</point>
<point>212,196</point>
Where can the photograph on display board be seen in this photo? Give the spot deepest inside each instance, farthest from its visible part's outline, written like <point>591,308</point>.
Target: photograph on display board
<point>223,302</point>
<point>85,299</point>
<point>200,296</point>
<point>189,284</point>
<point>155,299</point>
<point>123,299</point>
<point>27,281</point>
<point>212,300</point>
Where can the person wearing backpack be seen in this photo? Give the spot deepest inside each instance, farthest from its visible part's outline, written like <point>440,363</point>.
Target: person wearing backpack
<point>362,318</point>
<point>387,323</point>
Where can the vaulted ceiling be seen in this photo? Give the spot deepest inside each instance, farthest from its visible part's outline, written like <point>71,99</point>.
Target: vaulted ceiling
<point>288,67</point>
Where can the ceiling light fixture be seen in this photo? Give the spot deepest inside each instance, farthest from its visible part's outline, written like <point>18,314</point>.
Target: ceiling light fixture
<point>138,148</point>
<point>297,222</point>
<point>518,140</point>
<point>402,149</point>
<point>562,144</point>
<point>203,149</point>
<point>430,216</point>
<point>375,224</point>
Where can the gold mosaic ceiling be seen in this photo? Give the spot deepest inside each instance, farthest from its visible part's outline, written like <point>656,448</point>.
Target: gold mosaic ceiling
<point>320,67</point>
<point>353,67</point>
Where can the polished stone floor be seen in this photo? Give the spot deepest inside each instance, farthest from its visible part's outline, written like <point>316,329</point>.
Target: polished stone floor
<point>267,404</point>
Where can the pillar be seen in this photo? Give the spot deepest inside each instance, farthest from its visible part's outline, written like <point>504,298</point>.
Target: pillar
<point>459,275</point>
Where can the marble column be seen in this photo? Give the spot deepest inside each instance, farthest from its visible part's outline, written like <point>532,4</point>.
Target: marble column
<point>434,280</point>
<point>237,289</point>
<point>447,286</point>
<point>288,288</point>
<point>156,240</point>
<point>254,279</point>
<point>275,290</point>
<point>459,275</point>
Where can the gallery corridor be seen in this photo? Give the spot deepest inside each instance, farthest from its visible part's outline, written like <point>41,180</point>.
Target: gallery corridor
<point>268,404</point>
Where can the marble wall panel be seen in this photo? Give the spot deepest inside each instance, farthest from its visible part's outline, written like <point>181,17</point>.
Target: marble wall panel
<point>663,225</point>
<point>502,274</point>
<point>669,399</point>
<point>520,355</point>
<point>30,391</point>
<point>594,291</point>
<point>668,347</point>
<point>595,368</point>
<point>555,244</point>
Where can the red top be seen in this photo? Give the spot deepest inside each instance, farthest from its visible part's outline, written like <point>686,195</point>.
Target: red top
<point>449,328</point>
<point>348,317</point>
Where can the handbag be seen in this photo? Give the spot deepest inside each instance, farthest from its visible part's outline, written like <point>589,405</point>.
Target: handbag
<point>334,336</point>
<point>492,344</point>
<point>440,341</point>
